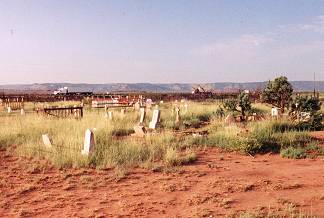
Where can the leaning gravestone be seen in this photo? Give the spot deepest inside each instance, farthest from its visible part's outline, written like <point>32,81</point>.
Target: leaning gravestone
<point>89,142</point>
<point>155,119</point>
<point>143,113</point>
<point>47,141</point>
<point>139,131</point>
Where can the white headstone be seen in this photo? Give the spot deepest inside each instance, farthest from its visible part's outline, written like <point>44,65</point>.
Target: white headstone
<point>149,103</point>
<point>9,110</point>
<point>185,108</point>
<point>137,106</point>
<point>89,143</point>
<point>155,119</point>
<point>122,111</point>
<point>274,112</point>
<point>110,115</point>
<point>139,131</point>
<point>22,112</point>
<point>46,141</point>
<point>143,113</point>
<point>177,114</point>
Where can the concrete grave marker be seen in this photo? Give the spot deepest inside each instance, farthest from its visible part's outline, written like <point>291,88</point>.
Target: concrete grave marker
<point>143,113</point>
<point>139,131</point>
<point>137,106</point>
<point>47,141</point>
<point>274,112</point>
<point>155,119</point>
<point>177,115</point>
<point>22,112</point>
<point>110,115</point>
<point>122,111</point>
<point>89,143</point>
<point>149,103</point>
<point>9,110</point>
<point>185,108</point>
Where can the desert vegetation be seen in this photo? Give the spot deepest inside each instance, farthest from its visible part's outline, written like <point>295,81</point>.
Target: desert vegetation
<point>186,132</point>
<point>202,125</point>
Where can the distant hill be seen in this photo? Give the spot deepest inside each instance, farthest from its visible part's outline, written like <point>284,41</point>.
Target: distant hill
<point>154,87</point>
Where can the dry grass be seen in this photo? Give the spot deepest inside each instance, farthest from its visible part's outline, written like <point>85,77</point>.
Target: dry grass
<point>116,149</point>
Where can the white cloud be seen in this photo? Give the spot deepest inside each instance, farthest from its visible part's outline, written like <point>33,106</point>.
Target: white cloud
<point>245,43</point>
<point>317,25</point>
<point>257,57</point>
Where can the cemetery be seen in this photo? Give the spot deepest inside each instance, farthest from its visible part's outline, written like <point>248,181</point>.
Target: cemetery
<point>141,135</point>
<point>162,109</point>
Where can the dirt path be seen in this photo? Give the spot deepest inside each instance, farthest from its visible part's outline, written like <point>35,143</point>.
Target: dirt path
<point>218,184</point>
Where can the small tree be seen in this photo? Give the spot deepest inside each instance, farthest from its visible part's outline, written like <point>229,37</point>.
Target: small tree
<point>278,93</point>
<point>306,104</point>
<point>312,105</point>
<point>242,104</point>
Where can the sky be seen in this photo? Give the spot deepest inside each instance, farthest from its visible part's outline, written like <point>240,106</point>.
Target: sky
<point>165,41</point>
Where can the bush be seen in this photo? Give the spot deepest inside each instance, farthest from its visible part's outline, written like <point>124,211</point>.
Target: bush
<point>172,157</point>
<point>293,153</point>
<point>261,137</point>
<point>220,112</point>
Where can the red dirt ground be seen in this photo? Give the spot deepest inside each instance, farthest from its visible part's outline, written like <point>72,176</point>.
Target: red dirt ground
<point>217,185</point>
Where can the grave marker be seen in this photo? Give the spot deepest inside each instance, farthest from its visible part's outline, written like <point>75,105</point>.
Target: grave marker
<point>143,113</point>
<point>110,115</point>
<point>177,114</point>
<point>185,108</point>
<point>22,112</point>
<point>46,141</point>
<point>155,119</point>
<point>89,143</point>
<point>149,103</point>
<point>137,106</point>
<point>139,131</point>
<point>274,112</point>
<point>122,111</point>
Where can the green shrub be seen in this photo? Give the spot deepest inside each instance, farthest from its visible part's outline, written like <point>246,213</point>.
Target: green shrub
<point>173,158</point>
<point>293,153</point>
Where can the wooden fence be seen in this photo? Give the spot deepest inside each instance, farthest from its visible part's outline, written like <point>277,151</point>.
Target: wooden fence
<point>63,112</point>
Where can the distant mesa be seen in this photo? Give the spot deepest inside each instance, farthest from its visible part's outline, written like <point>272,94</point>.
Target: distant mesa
<point>152,87</point>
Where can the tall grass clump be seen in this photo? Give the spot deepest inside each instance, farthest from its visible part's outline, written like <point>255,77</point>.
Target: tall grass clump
<point>257,137</point>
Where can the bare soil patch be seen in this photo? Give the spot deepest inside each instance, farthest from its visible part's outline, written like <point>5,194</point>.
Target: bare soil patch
<point>217,185</point>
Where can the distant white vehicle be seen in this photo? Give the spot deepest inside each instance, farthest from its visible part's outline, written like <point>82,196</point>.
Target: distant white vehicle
<point>63,90</point>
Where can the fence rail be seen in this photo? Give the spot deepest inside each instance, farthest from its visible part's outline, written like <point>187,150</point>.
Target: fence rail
<point>63,112</point>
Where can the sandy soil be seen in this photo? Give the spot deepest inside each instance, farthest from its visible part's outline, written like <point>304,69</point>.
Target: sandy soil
<point>217,185</point>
